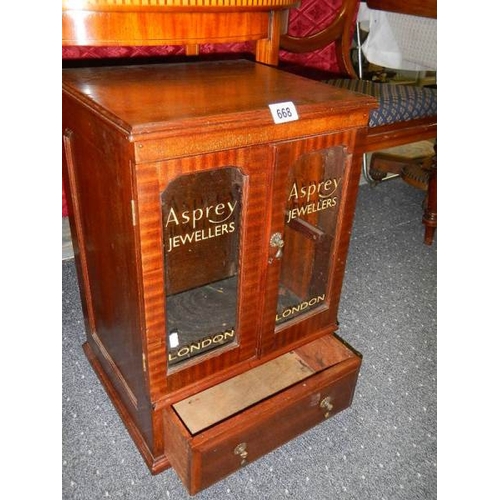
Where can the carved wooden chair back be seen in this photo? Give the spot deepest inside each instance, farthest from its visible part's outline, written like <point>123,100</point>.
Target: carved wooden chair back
<point>406,113</point>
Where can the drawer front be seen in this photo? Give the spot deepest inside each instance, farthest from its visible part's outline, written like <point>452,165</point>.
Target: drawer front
<point>209,456</point>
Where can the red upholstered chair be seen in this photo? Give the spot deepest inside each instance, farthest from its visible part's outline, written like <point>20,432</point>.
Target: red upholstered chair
<point>406,114</point>
<point>309,18</point>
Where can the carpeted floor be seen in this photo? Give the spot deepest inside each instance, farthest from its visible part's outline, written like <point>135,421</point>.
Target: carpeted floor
<point>382,447</point>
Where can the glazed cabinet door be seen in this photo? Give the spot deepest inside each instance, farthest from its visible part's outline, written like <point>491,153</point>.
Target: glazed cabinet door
<point>201,225</point>
<point>307,243</point>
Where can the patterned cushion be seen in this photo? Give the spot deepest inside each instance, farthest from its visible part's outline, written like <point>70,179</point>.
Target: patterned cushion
<point>397,103</point>
<point>100,52</point>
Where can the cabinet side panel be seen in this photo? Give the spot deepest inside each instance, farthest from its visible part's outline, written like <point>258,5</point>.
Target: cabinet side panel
<point>101,191</point>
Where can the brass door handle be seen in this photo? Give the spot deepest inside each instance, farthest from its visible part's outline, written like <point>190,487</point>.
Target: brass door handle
<point>277,242</point>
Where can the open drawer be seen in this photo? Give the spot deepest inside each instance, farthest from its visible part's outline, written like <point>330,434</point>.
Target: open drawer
<point>215,432</point>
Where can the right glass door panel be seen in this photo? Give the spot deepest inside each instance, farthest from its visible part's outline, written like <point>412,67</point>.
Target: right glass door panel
<point>306,246</point>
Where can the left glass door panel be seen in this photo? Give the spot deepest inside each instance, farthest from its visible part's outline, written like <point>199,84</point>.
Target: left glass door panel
<point>201,220</point>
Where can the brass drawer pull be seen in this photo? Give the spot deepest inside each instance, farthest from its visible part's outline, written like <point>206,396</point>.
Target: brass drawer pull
<point>326,404</point>
<point>241,451</point>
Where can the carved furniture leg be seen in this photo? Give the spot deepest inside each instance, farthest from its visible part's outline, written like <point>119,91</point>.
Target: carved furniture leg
<point>430,212</point>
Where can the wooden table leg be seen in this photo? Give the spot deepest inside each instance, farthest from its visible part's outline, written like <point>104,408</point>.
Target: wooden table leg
<point>430,212</point>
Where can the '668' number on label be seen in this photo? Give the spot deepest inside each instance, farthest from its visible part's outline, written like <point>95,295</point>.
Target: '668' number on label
<point>283,112</point>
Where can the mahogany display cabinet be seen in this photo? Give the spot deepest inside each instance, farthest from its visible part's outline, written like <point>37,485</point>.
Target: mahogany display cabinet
<point>211,205</point>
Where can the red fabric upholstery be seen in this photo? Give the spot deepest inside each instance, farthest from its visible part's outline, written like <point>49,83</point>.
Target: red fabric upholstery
<point>86,52</point>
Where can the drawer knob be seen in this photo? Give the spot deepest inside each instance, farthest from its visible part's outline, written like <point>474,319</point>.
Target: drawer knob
<point>241,451</point>
<point>326,404</point>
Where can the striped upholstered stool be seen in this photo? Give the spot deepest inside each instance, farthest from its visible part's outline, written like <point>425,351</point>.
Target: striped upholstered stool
<point>406,114</point>
<point>397,103</point>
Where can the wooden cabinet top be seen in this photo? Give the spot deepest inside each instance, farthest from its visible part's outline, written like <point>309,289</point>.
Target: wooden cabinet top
<point>170,99</point>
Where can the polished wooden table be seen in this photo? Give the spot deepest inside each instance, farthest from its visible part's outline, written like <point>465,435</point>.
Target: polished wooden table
<point>176,22</point>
